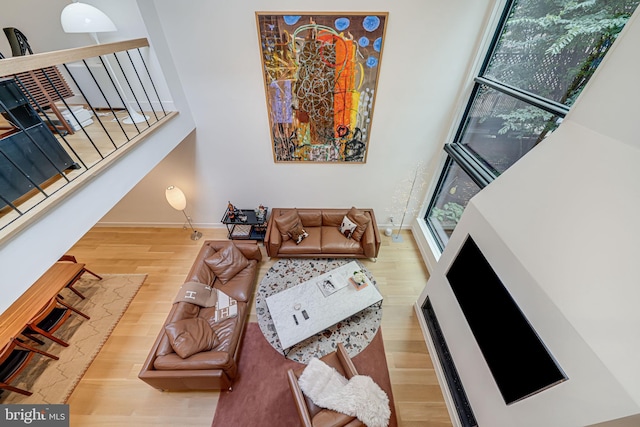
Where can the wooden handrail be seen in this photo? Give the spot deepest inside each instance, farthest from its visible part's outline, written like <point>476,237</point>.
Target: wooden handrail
<point>19,64</point>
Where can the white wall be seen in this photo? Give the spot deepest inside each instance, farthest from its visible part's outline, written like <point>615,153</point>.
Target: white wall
<point>215,47</point>
<point>40,22</point>
<point>559,229</point>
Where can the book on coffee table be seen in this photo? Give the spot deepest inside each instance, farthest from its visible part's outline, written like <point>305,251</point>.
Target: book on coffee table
<point>329,285</point>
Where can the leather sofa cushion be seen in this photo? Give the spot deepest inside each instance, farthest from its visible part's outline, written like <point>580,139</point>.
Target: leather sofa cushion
<point>310,218</point>
<point>190,336</point>
<point>286,220</point>
<point>200,272</point>
<point>237,287</point>
<point>297,233</point>
<point>360,218</point>
<point>334,242</point>
<point>227,330</point>
<point>179,311</point>
<point>333,218</point>
<point>204,360</point>
<point>227,262</point>
<point>248,248</point>
<point>310,244</point>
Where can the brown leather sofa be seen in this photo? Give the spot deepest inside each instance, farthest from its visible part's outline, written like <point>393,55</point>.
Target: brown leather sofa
<point>324,238</point>
<point>216,368</point>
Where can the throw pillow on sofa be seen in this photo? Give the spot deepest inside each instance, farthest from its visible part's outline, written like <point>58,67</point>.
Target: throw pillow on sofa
<point>226,307</point>
<point>227,262</point>
<point>297,233</point>
<point>286,222</point>
<point>347,227</point>
<point>190,336</point>
<point>361,219</point>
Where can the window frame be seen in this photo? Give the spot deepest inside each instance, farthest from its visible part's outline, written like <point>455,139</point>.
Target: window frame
<point>454,150</point>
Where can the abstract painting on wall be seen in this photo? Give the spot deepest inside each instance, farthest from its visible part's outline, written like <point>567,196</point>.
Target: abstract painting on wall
<point>321,72</point>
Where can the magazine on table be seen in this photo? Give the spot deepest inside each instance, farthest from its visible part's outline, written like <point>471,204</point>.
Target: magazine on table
<point>328,285</point>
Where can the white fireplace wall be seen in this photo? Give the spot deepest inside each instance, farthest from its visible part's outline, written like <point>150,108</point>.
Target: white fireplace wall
<point>560,229</point>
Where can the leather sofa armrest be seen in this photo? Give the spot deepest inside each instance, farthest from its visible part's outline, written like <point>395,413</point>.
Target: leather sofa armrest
<point>273,238</point>
<point>371,238</point>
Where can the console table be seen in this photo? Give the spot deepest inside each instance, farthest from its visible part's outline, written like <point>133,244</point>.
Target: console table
<point>250,229</point>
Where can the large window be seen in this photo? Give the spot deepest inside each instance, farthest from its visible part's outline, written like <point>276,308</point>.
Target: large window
<point>539,60</point>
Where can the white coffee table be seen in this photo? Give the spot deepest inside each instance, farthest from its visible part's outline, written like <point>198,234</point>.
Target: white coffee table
<point>291,305</point>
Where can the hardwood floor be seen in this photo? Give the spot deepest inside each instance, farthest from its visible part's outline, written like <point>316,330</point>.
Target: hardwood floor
<point>110,392</point>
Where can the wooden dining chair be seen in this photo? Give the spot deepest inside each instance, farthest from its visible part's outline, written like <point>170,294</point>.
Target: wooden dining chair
<point>50,319</point>
<point>71,258</point>
<point>14,358</point>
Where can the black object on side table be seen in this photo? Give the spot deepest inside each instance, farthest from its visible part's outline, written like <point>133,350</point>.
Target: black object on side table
<point>244,224</point>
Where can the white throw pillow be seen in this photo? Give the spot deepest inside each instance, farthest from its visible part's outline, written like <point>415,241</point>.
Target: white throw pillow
<point>347,227</point>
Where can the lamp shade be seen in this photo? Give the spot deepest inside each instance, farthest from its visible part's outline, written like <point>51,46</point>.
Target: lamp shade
<point>84,18</point>
<point>176,198</point>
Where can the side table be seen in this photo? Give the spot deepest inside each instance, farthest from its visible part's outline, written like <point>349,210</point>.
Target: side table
<point>250,229</point>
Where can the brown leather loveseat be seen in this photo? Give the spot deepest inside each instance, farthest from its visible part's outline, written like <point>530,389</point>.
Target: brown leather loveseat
<point>316,233</point>
<point>215,367</point>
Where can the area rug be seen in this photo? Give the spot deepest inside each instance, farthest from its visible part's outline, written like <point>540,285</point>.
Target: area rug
<point>53,381</point>
<point>354,332</point>
<point>261,396</point>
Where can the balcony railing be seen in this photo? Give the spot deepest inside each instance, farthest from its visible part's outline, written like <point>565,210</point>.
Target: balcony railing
<point>65,116</point>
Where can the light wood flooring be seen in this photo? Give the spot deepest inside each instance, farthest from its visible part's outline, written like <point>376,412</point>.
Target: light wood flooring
<point>110,394</point>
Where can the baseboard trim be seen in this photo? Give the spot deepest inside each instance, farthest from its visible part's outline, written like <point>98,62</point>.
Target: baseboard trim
<point>158,225</point>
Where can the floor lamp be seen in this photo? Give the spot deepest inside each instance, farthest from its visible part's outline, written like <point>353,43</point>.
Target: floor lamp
<point>178,201</point>
<point>84,18</point>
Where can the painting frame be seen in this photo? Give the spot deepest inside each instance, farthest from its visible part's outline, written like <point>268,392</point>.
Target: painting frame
<point>320,72</point>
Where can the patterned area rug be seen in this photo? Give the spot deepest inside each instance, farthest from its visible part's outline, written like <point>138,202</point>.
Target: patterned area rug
<point>355,332</point>
<point>53,381</point>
